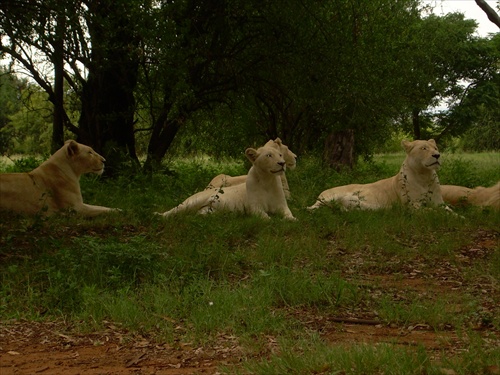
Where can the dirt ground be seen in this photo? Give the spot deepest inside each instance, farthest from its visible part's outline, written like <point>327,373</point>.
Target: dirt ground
<point>48,348</point>
<point>58,347</point>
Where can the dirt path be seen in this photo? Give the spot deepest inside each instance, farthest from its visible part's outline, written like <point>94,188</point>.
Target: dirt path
<point>48,348</point>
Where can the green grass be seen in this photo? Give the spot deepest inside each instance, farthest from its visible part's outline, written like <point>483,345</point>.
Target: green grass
<point>195,278</point>
<point>313,356</point>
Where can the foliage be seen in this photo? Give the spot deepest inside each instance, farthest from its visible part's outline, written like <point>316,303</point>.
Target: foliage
<point>475,112</point>
<point>446,54</point>
<point>25,164</point>
<point>31,125</point>
<point>10,104</point>
<point>482,136</point>
<point>27,116</point>
<point>218,76</point>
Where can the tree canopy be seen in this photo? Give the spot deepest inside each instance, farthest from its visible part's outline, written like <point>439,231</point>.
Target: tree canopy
<point>233,73</point>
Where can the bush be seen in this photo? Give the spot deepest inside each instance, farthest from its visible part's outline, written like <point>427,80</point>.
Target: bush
<point>24,164</point>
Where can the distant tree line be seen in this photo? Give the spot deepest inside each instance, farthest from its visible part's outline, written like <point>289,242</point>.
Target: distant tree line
<point>218,76</point>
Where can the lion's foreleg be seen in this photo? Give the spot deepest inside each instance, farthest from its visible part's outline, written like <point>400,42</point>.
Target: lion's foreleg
<point>284,184</point>
<point>260,213</point>
<point>287,214</point>
<point>320,202</point>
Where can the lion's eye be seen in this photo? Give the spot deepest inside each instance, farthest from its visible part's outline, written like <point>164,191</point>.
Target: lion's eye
<point>424,148</point>
<point>269,155</point>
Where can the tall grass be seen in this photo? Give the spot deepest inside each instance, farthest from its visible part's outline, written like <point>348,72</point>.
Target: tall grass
<point>195,277</point>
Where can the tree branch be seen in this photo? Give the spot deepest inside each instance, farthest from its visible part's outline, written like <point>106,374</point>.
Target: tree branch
<point>492,15</point>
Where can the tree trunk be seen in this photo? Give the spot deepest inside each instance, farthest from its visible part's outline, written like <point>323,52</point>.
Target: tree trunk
<point>416,123</point>
<point>162,137</point>
<point>339,149</point>
<point>59,117</point>
<point>108,103</point>
<point>107,116</point>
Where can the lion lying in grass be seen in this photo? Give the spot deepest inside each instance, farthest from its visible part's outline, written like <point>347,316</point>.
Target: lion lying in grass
<point>479,196</point>
<point>54,185</point>
<point>260,195</point>
<point>415,185</point>
<point>224,180</point>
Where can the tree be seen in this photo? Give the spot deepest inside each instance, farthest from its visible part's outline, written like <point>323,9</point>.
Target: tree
<point>444,54</point>
<point>317,74</point>
<point>475,101</point>
<point>194,62</point>
<point>107,95</point>
<point>96,37</point>
<point>35,34</point>
<point>478,116</point>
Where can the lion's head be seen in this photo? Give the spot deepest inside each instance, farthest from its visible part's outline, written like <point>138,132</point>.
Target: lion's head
<point>267,159</point>
<point>288,155</point>
<point>422,154</point>
<point>83,159</point>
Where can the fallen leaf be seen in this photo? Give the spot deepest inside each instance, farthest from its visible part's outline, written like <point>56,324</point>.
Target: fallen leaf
<point>136,360</point>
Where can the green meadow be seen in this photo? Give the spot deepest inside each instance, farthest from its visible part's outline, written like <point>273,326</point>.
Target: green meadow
<point>393,291</point>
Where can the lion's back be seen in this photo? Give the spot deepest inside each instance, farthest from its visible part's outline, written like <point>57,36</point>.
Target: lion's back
<point>19,192</point>
<point>486,197</point>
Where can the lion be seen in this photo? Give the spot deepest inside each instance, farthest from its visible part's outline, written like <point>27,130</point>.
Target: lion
<point>224,180</point>
<point>478,196</point>
<point>261,194</point>
<point>416,184</point>
<point>54,185</point>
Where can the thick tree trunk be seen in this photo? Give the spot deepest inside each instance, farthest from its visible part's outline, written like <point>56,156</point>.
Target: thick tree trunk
<point>339,149</point>
<point>107,121</point>
<point>108,103</point>
<point>163,135</point>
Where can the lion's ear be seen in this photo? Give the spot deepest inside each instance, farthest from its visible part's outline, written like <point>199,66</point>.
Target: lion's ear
<point>407,145</point>
<point>251,154</point>
<point>278,141</point>
<point>72,148</point>
<point>433,142</point>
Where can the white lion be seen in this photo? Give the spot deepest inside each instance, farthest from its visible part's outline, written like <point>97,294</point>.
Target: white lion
<point>479,196</point>
<point>260,195</point>
<point>54,185</point>
<point>224,180</point>
<point>416,184</point>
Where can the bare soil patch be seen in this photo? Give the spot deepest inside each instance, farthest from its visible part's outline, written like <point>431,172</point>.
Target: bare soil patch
<point>55,348</point>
